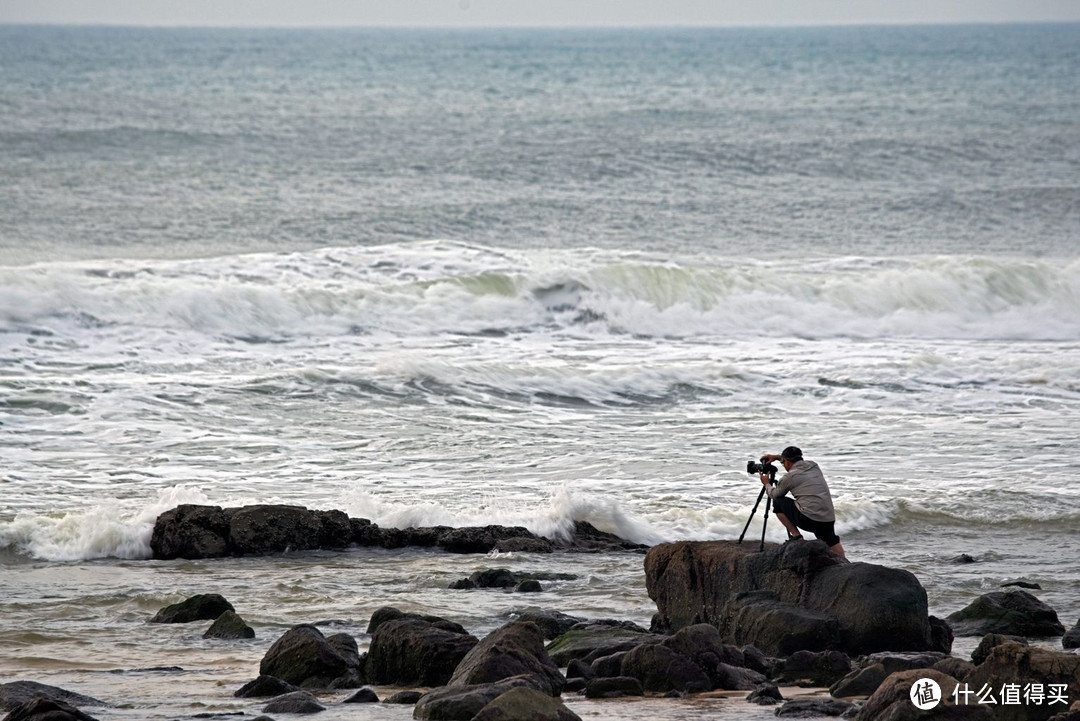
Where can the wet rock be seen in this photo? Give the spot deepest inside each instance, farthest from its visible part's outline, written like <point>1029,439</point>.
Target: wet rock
<point>389,613</point>
<point>1073,714</point>
<point>613,687</point>
<point>298,702</point>
<point>963,558</point>
<point>404,698</point>
<point>807,668</point>
<point>306,658</point>
<point>519,544</point>
<point>515,649</point>
<point>767,695</point>
<point>530,585</point>
<point>822,600</point>
<point>264,529</point>
<point>606,666</point>
<point>480,540</point>
<point>413,652</point>
<point>1006,612</point>
<point>552,623</point>
<point>1015,663</point>
<point>941,635</point>
<point>991,641</point>
<point>958,668</point>
<point>702,644</point>
<point>892,700</point>
<point>586,538</point>
<point>578,669</point>
<point>454,703</point>
<point>814,707</point>
<point>18,693</point>
<point>44,709</point>
<point>264,687</point>
<point>893,661</point>
<point>862,682</point>
<point>190,531</point>
<point>661,669</point>
<point>1072,638</point>
<point>1023,584</point>
<point>575,685</point>
<point>364,695</point>
<point>203,607</point>
<point>735,678</point>
<point>596,639</point>
<point>525,704</point>
<point>229,626</point>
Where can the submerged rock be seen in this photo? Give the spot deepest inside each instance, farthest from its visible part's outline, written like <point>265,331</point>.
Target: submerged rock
<point>44,709</point>
<point>299,702</point>
<point>1006,612</point>
<point>788,598</point>
<point>18,693</point>
<point>203,607</point>
<point>265,686</point>
<point>229,626</point>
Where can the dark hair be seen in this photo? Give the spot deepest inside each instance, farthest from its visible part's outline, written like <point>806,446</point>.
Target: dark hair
<point>791,453</point>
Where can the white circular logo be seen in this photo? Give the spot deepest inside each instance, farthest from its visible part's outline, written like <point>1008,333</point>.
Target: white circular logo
<point>925,694</point>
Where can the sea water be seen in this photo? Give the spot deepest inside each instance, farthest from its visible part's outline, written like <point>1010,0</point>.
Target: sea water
<point>526,278</point>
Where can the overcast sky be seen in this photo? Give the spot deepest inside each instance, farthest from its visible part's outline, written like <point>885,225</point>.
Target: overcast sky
<point>531,13</point>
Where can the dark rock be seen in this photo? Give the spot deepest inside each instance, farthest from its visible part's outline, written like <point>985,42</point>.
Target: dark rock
<point>19,693</point>
<point>575,685</point>
<point>229,626</point>
<point>203,607</point>
<point>462,703</point>
<point>414,652</point>
<point>530,585</point>
<point>190,531</point>
<point>1072,638</point>
<point>893,661</point>
<point>265,686</point>
<point>299,702</point>
<point>964,559</point>
<point>552,623</point>
<point>767,695</point>
<point>44,709</point>
<point>579,669</point>
<point>958,668</point>
<point>991,641</point>
<point>862,682</point>
<point>941,635</point>
<point>754,658</point>
<point>661,669</point>
<point>735,678</point>
<point>702,644</point>
<point>525,704</point>
<point>813,707</point>
<point>520,544</point>
<point>613,687</point>
<point>405,698</point>
<point>1073,714</point>
<point>1015,663</point>
<point>1006,612</point>
<point>389,613</point>
<point>892,700</point>
<point>306,658</point>
<point>264,529</point>
<point>586,538</point>
<point>515,649</point>
<point>607,666</point>
<point>597,639</point>
<point>479,540</point>
<point>335,529</point>
<point>1023,584</point>
<point>496,578</point>
<point>808,668</point>
<point>820,598</point>
<point>364,695</point>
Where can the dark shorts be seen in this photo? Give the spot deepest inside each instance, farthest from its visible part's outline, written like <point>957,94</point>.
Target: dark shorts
<point>822,530</point>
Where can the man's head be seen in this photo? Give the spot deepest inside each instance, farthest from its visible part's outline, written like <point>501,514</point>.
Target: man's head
<point>789,456</point>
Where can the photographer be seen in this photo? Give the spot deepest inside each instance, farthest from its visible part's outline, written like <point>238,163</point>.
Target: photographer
<point>812,507</point>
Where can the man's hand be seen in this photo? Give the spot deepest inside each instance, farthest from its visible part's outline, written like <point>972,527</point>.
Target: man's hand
<point>764,479</point>
<point>769,458</point>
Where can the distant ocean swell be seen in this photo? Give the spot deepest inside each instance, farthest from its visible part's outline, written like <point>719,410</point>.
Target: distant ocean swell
<point>487,292</point>
<point>115,530</point>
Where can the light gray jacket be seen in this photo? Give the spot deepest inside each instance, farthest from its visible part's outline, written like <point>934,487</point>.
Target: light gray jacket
<point>806,483</point>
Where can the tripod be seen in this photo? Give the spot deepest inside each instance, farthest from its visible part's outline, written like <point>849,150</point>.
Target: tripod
<point>765,522</point>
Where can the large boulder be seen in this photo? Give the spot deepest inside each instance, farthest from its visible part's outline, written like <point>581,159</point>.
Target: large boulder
<point>265,687</point>
<point>594,639</point>
<point>662,669</point>
<point>525,704</point>
<point>229,626</point>
<point>1072,638</point>
<point>1006,612</point>
<point>892,700</point>
<point>480,539</point>
<point>298,702</point>
<point>516,649</point>
<point>305,658</point>
<point>18,693</point>
<point>797,591</point>
<point>462,703</point>
<point>389,613</point>
<point>190,531</point>
<point>413,652</point>
<point>552,623</point>
<point>263,529</point>
<point>44,709</point>
<point>203,607</point>
<point>1015,663</point>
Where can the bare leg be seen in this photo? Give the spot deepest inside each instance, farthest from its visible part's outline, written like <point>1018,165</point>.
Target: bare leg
<point>838,550</point>
<point>791,529</point>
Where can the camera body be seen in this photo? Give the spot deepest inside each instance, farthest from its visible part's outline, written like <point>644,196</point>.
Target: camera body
<point>755,467</point>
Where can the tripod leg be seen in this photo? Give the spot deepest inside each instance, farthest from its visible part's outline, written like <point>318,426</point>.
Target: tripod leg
<point>765,523</point>
<point>755,511</point>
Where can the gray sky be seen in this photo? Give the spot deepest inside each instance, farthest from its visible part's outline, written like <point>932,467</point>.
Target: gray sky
<point>486,13</point>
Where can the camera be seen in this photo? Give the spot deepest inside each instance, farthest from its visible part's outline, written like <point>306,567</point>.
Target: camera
<point>754,467</point>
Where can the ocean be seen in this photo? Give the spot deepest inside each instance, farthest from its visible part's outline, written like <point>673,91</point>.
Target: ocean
<point>526,278</point>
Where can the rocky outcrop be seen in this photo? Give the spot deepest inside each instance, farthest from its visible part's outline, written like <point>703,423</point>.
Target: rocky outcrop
<point>298,702</point>
<point>516,649</point>
<point>525,704</point>
<point>19,693</point>
<point>191,531</point>
<point>1015,663</point>
<point>44,709</point>
<point>593,639</point>
<point>1006,612</point>
<point>203,607</point>
<point>462,703</point>
<point>551,623</point>
<point>1072,638</point>
<point>892,700</point>
<point>305,658</point>
<point>411,651</point>
<point>229,626</point>
<point>265,687</point>
<point>788,598</point>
